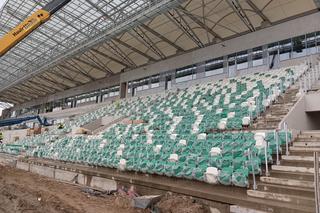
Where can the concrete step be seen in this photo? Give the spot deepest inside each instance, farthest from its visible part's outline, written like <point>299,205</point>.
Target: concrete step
<point>301,153</point>
<point>280,114</point>
<point>241,209</point>
<point>303,140</point>
<point>292,175</point>
<point>272,119</point>
<point>297,163</point>
<point>287,182</point>
<point>304,149</point>
<point>308,136</point>
<point>294,199</point>
<point>285,189</point>
<point>267,122</point>
<point>293,169</point>
<point>297,158</point>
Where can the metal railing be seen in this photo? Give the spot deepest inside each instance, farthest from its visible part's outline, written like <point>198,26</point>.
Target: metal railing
<point>316,181</point>
<point>308,79</point>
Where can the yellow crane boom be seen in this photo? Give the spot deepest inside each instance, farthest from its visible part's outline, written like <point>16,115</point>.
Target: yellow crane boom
<point>21,31</point>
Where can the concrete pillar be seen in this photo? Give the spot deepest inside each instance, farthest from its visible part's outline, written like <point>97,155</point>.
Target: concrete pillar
<point>162,80</point>
<point>173,77</point>
<point>250,62</point>
<point>201,70</point>
<point>123,90</point>
<point>265,54</point>
<point>225,64</point>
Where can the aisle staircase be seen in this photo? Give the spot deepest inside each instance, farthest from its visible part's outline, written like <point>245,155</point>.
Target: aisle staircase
<point>292,180</point>
<point>271,118</point>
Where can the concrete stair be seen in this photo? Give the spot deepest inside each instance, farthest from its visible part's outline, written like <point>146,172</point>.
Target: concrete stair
<point>292,181</point>
<point>271,118</point>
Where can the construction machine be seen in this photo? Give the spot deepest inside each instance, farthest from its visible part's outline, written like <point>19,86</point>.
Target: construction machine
<point>21,31</point>
<point>15,121</point>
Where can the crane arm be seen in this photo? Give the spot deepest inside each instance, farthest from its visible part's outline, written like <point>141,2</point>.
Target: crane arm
<point>21,31</point>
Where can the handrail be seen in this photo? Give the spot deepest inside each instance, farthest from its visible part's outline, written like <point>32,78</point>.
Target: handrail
<point>316,181</point>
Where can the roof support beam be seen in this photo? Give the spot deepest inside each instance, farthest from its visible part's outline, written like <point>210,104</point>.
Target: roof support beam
<point>120,53</point>
<point>32,87</point>
<point>200,23</point>
<point>50,82</point>
<point>94,66</point>
<point>135,49</point>
<point>38,86</point>
<point>17,96</point>
<point>24,93</point>
<point>54,82</point>
<point>182,24</point>
<point>258,11</point>
<point>76,69</point>
<point>32,90</point>
<point>162,38</point>
<point>237,8</point>
<point>97,61</point>
<point>61,74</point>
<point>110,57</point>
<point>146,41</point>
<point>11,99</point>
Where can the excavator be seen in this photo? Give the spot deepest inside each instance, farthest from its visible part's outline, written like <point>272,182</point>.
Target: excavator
<point>21,31</point>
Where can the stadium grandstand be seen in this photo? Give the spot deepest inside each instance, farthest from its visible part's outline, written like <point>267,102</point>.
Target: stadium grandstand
<point>162,105</point>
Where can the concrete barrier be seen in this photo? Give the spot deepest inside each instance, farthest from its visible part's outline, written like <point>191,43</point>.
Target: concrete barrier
<point>103,183</point>
<point>42,170</point>
<point>23,166</point>
<point>72,177</point>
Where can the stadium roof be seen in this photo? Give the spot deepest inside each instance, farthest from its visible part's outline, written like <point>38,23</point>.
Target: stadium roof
<point>92,39</point>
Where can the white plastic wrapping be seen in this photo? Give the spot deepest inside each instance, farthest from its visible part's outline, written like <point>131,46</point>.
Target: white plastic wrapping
<point>211,175</point>
<point>215,151</point>
<point>173,158</point>
<point>202,136</point>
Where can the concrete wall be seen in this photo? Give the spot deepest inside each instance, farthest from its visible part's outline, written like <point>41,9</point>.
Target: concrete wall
<point>305,115</point>
<point>313,102</point>
<point>297,117</point>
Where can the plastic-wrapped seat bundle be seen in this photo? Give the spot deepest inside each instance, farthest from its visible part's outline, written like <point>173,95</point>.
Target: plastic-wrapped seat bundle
<point>240,177</point>
<point>225,175</point>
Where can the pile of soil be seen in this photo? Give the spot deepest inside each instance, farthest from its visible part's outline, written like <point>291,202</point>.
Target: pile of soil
<point>171,203</point>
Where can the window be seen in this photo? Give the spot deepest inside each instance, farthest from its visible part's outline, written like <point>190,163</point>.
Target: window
<point>273,48</point>
<point>114,91</point>
<point>186,73</point>
<point>299,46</point>
<point>311,44</point>
<point>155,81</point>
<point>285,48</point>
<point>242,60</point>
<point>214,67</point>
<point>142,84</point>
<point>257,56</point>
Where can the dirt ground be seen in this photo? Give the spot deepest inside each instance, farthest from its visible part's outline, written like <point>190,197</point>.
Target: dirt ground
<point>23,192</point>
